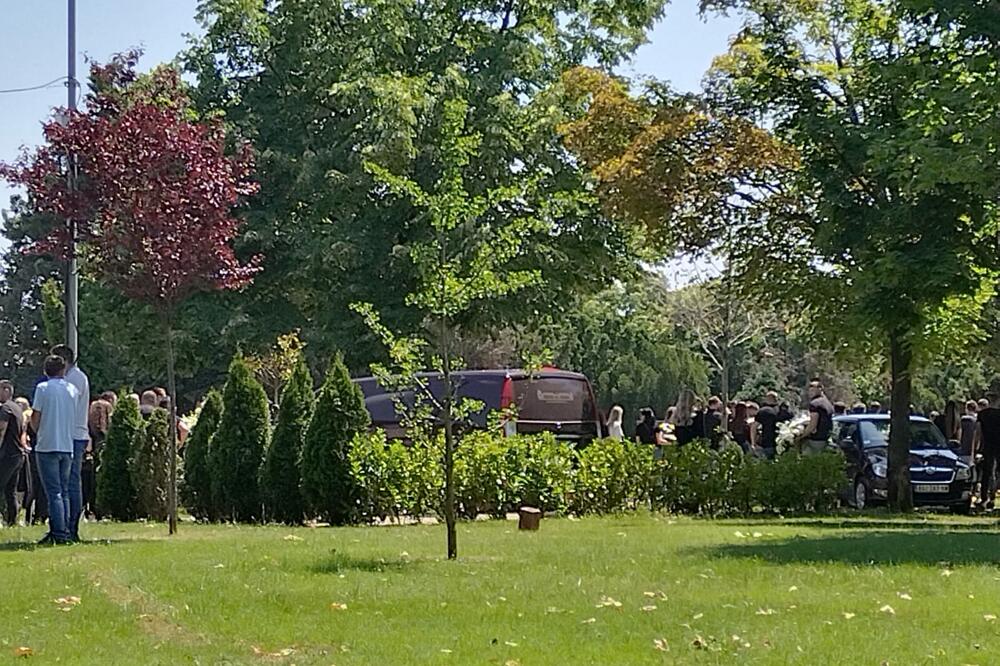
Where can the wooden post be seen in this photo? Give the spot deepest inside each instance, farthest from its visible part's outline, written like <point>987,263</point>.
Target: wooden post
<point>529,518</point>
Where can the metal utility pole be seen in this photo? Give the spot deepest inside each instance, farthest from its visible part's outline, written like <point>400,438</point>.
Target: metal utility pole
<point>72,277</point>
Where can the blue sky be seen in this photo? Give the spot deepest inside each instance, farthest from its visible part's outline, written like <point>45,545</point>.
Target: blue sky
<point>33,51</point>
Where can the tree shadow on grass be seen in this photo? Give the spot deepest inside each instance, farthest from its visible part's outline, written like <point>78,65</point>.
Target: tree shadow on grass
<point>925,546</point>
<point>337,562</point>
<point>887,523</point>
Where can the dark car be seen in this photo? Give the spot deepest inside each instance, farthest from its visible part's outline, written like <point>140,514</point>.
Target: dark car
<point>939,475</point>
<point>548,400</point>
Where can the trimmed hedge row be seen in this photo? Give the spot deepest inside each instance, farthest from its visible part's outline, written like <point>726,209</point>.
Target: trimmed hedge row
<point>496,475</point>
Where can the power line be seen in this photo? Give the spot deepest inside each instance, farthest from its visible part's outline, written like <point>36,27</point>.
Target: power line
<point>39,87</point>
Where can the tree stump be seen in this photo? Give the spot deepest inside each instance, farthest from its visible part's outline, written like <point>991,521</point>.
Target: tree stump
<point>529,518</point>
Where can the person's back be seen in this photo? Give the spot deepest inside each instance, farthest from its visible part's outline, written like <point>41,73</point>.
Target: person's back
<point>56,399</point>
<point>989,424</point>
<point>767,419</point>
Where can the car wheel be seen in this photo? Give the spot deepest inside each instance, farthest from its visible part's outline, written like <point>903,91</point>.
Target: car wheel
<point>860,496</point>
<point>963,509</point>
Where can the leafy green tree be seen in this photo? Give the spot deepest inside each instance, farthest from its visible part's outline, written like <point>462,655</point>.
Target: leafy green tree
<point>623,341</point>
<point>324,86</point>
<point>339,414</point>
<point>281,475</point>
<point>462,262</point>
<point>116,493</point>
<point>196,494</point>
<point>150,468</point>
<point>238,446</point>
<point>884,235</point>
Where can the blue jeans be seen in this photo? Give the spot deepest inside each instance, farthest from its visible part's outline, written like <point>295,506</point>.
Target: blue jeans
<point>76,488</point>
<point>54,470</point>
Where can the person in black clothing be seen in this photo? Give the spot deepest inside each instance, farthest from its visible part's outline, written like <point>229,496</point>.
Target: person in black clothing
<point>645,427</point>
<point>967,429</point>
<point>688,425</point>
<point>713,421</point>
<point>874,407</point>
<point>988,441</point>
<point>816,435</point>
<point>785,413</point>
<point>11,449</point>
<point>764,438</point>
<point>859,408</point>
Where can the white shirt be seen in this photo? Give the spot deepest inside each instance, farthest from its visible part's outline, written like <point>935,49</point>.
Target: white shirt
<point>615,430</point>
<point>55,401</point>
<point>78,379</point>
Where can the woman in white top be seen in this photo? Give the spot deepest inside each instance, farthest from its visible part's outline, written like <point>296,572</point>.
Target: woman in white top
<point>615,423</point>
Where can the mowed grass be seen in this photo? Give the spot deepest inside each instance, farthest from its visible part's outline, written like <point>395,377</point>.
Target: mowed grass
<point>627,590</point>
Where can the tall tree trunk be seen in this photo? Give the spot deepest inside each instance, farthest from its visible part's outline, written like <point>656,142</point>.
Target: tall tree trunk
<point>449,444</point>
<point>724,381</point>
<point>901,359</point>
<point>172,453</point>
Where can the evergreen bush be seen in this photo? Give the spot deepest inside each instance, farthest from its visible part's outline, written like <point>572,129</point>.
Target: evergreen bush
<point>281,477</point>
<point>115,492</point>
<point>196,493</point>
<point>339,415</point>
<point>237,449</point>
<point>150,471</point>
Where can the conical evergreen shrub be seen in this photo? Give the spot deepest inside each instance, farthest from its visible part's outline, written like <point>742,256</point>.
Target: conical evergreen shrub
<point>196,493</point>
<point>237,449</point>
<point>115,492</point>
<point>150,471</point>
<point>340,414</point>
<point>281,479</point>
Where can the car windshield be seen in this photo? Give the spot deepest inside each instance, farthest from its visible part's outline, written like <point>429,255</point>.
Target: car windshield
<point>923,435</point>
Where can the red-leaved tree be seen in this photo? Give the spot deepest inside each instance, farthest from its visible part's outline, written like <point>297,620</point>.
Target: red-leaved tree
<point>152,199</point>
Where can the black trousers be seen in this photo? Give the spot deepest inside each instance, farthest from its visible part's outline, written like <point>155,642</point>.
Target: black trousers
<point>990,459</point>
<point>10,467</point>
<point>36,504</point>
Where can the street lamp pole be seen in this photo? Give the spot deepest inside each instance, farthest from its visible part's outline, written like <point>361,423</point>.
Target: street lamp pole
<point>72,277</point>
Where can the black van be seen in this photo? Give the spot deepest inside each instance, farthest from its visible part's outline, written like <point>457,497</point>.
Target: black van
<point>549,400</point>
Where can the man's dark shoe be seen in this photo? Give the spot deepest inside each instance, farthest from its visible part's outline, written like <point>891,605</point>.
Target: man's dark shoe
<point>47,540</point>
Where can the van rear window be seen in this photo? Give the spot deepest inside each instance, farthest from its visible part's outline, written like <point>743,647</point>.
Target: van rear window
<point>553,399</point>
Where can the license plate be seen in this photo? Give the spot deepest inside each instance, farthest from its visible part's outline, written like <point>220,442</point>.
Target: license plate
<point>931,488</point>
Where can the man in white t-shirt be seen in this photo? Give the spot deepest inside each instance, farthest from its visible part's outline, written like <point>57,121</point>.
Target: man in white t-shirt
<point>81,436</point>
<point>53,418</point>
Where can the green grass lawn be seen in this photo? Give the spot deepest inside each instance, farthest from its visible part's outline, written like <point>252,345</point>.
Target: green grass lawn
<point>627,590</point>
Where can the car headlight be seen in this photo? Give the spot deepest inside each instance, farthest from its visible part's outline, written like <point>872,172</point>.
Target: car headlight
<point>879,469</point>
<point>963,473</point>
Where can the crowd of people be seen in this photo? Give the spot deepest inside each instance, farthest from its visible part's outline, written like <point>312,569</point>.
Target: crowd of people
<point>750,425</point>
<point>973,427</point>
<point>50,446</point>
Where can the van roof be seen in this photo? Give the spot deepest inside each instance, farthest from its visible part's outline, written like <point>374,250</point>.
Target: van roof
<point>513,373</point>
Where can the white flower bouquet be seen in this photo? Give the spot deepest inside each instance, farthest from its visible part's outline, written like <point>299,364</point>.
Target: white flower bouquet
<point>789,432</point>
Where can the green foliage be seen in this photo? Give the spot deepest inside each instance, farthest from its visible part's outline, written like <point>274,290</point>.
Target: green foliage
<point>796,483</point>
<point>495,475</point>
<point>612,475</point>
<point>623,341</point>
<point>699,480</point>
<point>196,493</point>
<point>339,415</point>
<point>280,477</point>
<point>116,493</point>
<point>237,449</point>
<point>149,468</point>
<point>396,479</point>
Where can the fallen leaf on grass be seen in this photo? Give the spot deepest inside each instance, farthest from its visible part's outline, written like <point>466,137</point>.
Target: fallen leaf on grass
<point>990,617</point>
<point>67,601</point>
<point>338,606</point>
<point>445,651</point>
<point>23,651</point>
<point>739,535</point>
<point>512,662</point>
<point>292,537</point>
<point>284,652</point>
<point>608,602</point>
<point>510,643</point>
<point>698,616</point>
<point>793,589</point>
<point>649,594</point>
<point>947,572</point>
<point>887,609</point>
<point>904,596</point>
<point>589,620</point>
<point>661,645</point>
<point>757,535</point>
<point>847,616</point>
<point>647,609</point>
<point>765,611</point>
<point>220,565</point>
